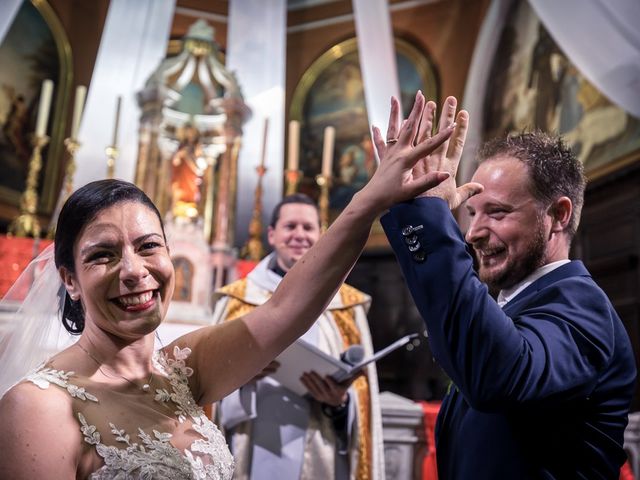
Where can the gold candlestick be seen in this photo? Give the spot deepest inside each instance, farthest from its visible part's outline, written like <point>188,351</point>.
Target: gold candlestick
<point>112,154</point>
<point>292,179</point>
<point>72,147</point>
<point>27,224</point>
<point>324,182</point>
<point>253,249</point>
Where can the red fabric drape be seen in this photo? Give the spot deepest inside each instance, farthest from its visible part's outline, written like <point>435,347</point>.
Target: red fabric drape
<point>15,255</point>
<point>429,465</point>
<point>243,267</point>
<point>626,473</point>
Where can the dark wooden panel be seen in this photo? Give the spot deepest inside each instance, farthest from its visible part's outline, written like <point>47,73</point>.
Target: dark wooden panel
<point>617,276</point>
<point>611,237</point>
<point>608,241</point>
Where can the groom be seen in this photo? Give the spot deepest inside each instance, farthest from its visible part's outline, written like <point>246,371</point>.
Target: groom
<point>543,377</point>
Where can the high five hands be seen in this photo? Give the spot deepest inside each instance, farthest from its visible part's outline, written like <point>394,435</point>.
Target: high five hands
<point>414,162</point>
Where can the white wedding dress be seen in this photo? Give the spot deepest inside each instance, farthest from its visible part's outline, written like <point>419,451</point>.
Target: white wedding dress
<point>161,434</point>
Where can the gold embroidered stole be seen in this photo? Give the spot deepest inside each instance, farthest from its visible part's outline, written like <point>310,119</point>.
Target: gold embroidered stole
<point>345,320</point>
<point>236,306</point>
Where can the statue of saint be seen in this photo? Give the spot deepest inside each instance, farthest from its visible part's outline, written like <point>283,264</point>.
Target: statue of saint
<point>187,168</point>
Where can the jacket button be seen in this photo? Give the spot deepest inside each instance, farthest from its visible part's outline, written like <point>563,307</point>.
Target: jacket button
<point>411,239</point>
<point>414,248</point>
<point>419,256</point>
<point>410,229</point>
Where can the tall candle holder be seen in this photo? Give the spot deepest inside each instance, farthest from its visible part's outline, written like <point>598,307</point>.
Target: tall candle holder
<point>292,180</point>
<point>324,182</point>
<point>27,224</point>
<point>72,147</point>
<point>253,249</point>
<point>112,154</point>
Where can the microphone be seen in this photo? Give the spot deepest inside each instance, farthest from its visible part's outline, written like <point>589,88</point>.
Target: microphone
<point>353,355</point>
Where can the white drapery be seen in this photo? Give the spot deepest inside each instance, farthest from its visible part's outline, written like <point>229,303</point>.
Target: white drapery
<point>256,49</point>
<point>8,10</point>
<point>602,39</point>
<point>377,58</point>
<point>134,41</point>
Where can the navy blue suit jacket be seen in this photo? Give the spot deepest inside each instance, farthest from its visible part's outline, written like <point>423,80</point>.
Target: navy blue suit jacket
<point>540,389</point>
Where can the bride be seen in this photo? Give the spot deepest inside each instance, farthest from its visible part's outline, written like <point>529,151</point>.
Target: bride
<point>108,406</point>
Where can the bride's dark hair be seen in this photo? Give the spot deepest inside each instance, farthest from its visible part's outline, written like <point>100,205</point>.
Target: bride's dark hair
<point>78,211</point>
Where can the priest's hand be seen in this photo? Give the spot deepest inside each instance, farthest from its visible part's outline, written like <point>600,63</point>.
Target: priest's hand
<point>326,389</point>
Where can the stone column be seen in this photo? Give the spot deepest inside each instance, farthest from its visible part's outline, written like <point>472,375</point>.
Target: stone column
<point>404,437</point>
<point>632,442</point>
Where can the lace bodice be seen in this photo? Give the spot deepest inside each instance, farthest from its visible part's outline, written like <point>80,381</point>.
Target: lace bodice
<point>147,452</point>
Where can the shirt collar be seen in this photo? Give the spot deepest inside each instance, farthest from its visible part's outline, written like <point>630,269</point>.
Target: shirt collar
<point>274,267</point>
<point>509,294</point>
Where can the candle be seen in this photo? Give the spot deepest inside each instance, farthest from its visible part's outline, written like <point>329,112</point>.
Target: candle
<point>44,107</point>
<point>81,93</point>
<point>294,145</point>
<point>114,143</point>
<point>327,151</point>
<point>265,134</point>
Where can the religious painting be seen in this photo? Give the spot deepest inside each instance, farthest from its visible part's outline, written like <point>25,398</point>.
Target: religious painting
<point>35,48</point>
<point>331,93</point>
<point>535,85</point>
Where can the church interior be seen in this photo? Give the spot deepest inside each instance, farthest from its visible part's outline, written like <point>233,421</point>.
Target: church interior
<point>219,108</point>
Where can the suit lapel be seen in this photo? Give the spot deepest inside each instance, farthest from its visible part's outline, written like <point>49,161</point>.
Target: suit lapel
<point>571,269</point>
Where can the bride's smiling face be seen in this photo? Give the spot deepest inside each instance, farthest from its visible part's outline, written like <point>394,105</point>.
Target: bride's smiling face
<point>123,273</point>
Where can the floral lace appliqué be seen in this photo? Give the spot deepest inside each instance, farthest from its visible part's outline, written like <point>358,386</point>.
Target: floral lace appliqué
<point>46,376</point>
<point>151,455</point>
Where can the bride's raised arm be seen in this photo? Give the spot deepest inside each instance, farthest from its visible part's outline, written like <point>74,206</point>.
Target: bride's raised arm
<point>235,351</point>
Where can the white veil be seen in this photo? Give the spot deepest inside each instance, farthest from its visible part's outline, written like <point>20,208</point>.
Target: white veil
<point>31,329</point>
